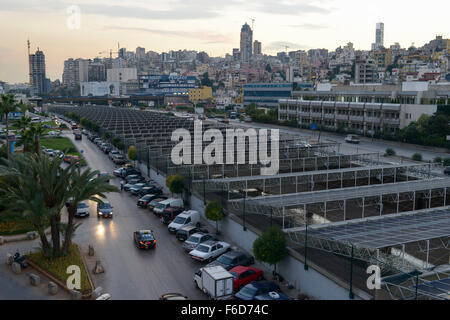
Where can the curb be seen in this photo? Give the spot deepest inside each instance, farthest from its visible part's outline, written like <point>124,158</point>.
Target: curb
<point>59,282</point>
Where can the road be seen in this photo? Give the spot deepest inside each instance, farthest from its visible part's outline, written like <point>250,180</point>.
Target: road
<point>132,273</point>
<point>366,145</point>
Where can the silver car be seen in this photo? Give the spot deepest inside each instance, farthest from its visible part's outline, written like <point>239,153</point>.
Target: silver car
<point>197,238</point>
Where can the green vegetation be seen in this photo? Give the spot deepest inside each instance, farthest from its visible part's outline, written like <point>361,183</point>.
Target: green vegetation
<point>390,152</point>
<point>60,143</point>
<point>132,153</point>
<point>270,247</point>
<point>175,183</point>
<point>57,267</point>
<point>214,212</point>
<point>259,115</point>
<point>417,157</point>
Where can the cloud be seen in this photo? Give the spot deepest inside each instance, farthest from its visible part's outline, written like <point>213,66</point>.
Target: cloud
<point>308,26</point>
<point>198,35</point>
<point>136,10</point>
<point>173,9</point>
<point>293,7</point>
<point>281,46</point>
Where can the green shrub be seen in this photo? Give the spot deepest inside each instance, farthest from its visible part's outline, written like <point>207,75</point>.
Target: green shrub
<point>437,160</point>
<point>390,152</point>
<point>417,157</point>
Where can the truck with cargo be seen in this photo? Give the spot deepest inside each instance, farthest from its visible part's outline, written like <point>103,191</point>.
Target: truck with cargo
<point>216,282</point>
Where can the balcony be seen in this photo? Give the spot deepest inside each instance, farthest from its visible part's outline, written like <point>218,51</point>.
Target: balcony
<point>356,118</point>
<point>392,122</point>
<point>342,117</point>
<point>391,107</point>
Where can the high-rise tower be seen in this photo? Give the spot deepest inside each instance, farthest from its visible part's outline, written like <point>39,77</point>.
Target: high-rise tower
<point>246,43</point>
<point>37,72</point>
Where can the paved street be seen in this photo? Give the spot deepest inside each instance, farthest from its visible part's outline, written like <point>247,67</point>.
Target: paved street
<point>366,145</point>
<point>132,273</point>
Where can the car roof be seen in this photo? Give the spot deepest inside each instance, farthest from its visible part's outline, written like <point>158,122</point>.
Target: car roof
<point>242,269</point>
<point>210,243</point>
<point>234,253</point>
<point>144,231</point>
<point>188,228</point>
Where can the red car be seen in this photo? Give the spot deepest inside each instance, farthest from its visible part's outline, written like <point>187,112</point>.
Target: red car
<point>245,275</point>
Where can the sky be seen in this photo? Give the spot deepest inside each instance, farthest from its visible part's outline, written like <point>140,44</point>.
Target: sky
<point>212,26</point>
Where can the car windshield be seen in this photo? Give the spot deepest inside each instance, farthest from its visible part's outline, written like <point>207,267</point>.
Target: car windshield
<point>225,260</point>
<point>202,248</point>
<point>179,220</point>
<point>194,239</point>
<point>104,206</point>
<point>146,198</point>
<point>248,291</point>
<point>82,205</point>
<point>235,275</point>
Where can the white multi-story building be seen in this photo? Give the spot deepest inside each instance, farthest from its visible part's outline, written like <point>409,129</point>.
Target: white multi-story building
<point>99,89</point>
<point>355,116</point>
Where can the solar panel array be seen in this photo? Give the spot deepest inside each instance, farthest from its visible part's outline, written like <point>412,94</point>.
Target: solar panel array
<point>389,231</point>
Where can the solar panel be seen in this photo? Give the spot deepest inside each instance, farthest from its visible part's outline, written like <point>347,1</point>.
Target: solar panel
<point>388,231</point>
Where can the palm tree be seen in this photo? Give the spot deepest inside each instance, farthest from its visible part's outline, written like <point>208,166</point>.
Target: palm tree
<point>7,105</point>
<point>83,186</point>
<point>36,132</point>
<point>21,193</point>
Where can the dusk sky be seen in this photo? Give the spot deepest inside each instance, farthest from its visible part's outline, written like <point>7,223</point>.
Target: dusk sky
<point>205,25</point>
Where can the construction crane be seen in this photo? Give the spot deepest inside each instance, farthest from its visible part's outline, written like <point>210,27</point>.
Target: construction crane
<point>110,55</point>
<point>253,21</point>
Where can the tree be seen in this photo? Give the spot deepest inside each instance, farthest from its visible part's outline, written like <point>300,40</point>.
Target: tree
<point>7,105</point>
<point>270,247</point>
<point>417,157</point>
<point>175,183</point>
<point>132,153</point>
<point>390,152</point>
<point>214,212</point>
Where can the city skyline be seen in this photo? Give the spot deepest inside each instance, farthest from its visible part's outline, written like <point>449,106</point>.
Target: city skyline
<point>297,24</point>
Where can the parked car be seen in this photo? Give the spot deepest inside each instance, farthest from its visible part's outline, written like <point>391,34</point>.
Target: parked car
<point>68,158</point>
<point>163,205</point>
<point>131,184</point>
<point>209,250</point>
<point>256,288</point>
<point>186,218</point>
<point>113,153</point>
<point>82,210</point>
<point>197,238</point>
<point>107,149</point>
<point>351,138</point>
<point>104,210</point>
<point>233,259</point>
<point>144,239</point>
<point>134,190</point>
<point>134,177</point>
<point>118,172</point>
<point>447,170</point>
<point>146,199</point>
<point>185,232</point>
<point>170,214</point>
<point>78,136</point>
<point>129,171</point>
<point>152,204</point>
<point>151,189</point>
<point>244,275</point>
<point>119,159</point>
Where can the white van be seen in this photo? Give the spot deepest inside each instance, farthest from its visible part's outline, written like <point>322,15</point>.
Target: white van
<point>163,205</point>
<point>187,218</point>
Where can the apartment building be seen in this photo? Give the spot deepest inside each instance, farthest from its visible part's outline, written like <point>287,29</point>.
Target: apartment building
<point>359,117</point>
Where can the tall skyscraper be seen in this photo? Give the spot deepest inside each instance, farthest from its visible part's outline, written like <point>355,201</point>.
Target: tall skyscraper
<point>246,43</point>
<point>379,35</point>
<point>37,72</point>
<point>257,47</point>
<point>140,53</point>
